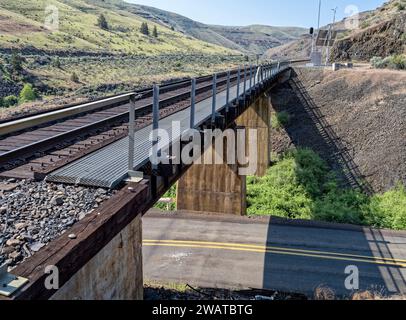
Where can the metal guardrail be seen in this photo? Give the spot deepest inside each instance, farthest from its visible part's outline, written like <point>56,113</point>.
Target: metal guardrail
<point>263,73</point>
<point>40,119</point>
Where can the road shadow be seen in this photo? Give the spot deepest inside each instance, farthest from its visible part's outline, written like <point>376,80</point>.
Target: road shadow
<point>309,128</point>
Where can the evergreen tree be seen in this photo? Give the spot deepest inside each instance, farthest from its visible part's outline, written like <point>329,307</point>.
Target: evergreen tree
<point>16,62</point>
<point>74,77</point>
<point>102,22</point>
<point>144,29</point>
<point>155,32</point>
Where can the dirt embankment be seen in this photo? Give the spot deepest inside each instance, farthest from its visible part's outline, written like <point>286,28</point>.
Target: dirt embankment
<point>356,119</point>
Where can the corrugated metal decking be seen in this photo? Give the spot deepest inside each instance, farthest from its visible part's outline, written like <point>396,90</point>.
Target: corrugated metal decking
<point>108,166</point>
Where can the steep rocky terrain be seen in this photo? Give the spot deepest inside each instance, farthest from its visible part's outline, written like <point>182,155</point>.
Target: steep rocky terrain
<point>383,39</point>
<point>380,32</point>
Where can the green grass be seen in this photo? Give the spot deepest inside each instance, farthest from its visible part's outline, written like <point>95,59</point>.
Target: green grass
<point>79,30</point>
<point>170,194</point>
<point>280,120</point>
<point>301,186</point>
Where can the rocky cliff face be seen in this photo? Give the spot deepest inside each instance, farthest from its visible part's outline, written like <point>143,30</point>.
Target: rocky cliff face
<point>385,39</point>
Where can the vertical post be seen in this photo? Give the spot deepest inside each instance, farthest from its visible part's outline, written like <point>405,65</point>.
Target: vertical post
<point>214,101</point>
<point>279,66</point>
<point>250,77</point>
<point>131,133</point>
<point>245,81</point>
<point>238,82</point>
<point>155,108</point>
<point>228,91</point>
<point>193,104</point>
<point>155,120</point>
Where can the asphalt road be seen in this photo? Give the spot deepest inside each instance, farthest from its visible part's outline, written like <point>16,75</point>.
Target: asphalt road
<point>242,253</point>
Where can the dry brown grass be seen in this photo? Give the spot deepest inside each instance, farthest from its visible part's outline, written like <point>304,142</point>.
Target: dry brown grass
<point>324,293</point>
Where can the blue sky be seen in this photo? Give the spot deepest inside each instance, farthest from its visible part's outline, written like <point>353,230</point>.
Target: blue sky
<point>270,12</point>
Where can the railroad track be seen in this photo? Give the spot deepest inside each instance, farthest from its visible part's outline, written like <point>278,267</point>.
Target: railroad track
<point>34,146</point>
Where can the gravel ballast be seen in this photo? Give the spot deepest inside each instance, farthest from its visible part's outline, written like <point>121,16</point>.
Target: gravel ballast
<point>32,214</point>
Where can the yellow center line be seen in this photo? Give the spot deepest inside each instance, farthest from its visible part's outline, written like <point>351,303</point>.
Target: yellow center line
<point>276,250</point>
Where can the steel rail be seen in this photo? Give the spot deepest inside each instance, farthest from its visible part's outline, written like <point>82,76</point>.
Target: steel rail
<point>14,126</point>
<point>41,144</point>
<point>122,99</point>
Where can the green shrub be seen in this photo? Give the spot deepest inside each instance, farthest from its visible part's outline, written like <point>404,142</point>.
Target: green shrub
<point>301,186</point>
<point>341,206</point>
<point>170,194</point>
<point>27,93</point>
<point>10,101</point>
<point>397,62</point>
<point>400,6</point>
<point>387,210</point>
<point>289,186</point>
<point>74,77</point>
<point>102,22</point>
<point>377,62</point>
<point>280,120</point>
<point>365,25</point>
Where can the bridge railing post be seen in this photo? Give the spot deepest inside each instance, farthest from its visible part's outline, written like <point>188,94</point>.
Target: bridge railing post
<point>214,101</point>
<point>131,134</point>
<point>228,92</point>
<point>245,81</point>
<point>155,120</point>
<point>238,83</point>
<point>250,78</point>
<point>193,104</point>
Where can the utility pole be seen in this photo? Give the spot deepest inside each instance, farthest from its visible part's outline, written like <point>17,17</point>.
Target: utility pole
<point>318,27</point>
<point>329,34</point>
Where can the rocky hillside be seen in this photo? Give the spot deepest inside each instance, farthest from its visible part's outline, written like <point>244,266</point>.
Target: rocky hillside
<point>249,39</point>
<point>299,49</point>
<point>257,38</point>
<point>381,32</point>
<point>22,25</point>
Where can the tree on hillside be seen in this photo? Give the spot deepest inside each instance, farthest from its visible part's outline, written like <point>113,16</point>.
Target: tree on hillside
<point>155,32</point>
<point>144,29</point>
<point>102,22</point>
<point>74,77</point>
<point>27,93</point>
<point>17,62</point>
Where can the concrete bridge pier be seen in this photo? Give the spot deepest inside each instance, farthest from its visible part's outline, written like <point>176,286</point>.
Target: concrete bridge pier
<point>212,188</point>
<point>219,188</point>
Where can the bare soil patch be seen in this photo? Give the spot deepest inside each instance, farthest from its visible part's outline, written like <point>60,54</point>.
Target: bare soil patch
<point>10,26</point>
